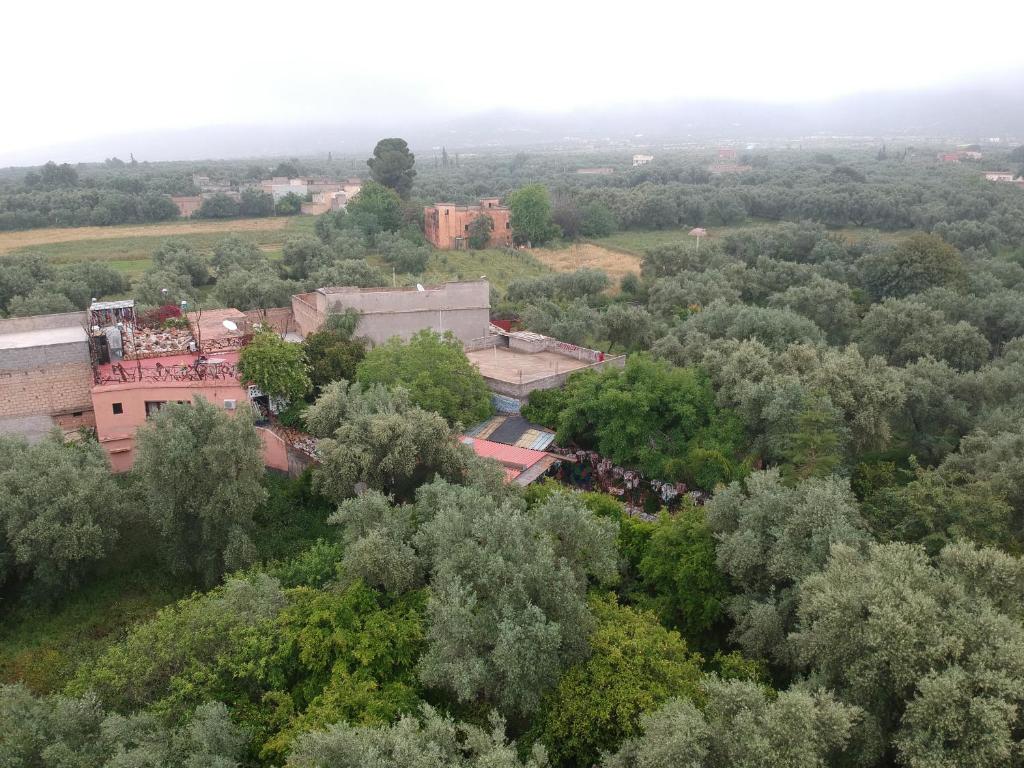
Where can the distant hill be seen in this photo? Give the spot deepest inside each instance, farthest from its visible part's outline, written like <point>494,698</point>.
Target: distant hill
<point>993,108</point>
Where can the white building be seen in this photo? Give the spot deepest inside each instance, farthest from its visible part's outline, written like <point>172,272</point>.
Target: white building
<point>639,160</point>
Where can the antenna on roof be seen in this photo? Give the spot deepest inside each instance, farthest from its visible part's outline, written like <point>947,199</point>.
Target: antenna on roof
<point>230,325</point>
<point>419,287</point>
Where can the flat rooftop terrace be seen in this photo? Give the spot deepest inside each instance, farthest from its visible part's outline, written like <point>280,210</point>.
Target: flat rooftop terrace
<point>43,338</point>
<point>503,364</point>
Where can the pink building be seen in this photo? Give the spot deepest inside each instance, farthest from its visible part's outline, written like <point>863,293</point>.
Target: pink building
<point>144,369</point>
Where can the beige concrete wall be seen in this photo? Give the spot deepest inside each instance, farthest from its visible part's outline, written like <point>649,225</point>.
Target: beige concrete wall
<point>462,308</point>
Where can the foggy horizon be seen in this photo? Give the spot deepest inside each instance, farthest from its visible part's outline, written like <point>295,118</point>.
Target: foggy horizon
<point>210,69</point>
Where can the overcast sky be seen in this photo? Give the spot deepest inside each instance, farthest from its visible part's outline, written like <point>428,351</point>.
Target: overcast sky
<point>77,70</point>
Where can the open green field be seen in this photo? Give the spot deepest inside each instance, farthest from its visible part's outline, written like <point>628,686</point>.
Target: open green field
<point>128,248</point>
<point>500,267</point>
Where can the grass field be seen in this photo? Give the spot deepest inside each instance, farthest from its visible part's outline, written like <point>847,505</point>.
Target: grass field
<point>128,248</point>
<point>500,267</point>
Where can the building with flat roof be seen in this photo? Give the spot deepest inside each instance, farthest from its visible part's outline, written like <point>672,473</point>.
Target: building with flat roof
<point>460,307</point>
<point>45,374</point>
<point>639,160</point>
<point>515,364</point>
<point>136,370</point>
<point>446,225</point>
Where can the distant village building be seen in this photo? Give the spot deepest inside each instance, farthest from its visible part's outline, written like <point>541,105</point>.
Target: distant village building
<point>460,307</point>
<point>446,225</point>
<point>949,157</point>
<point>639,160</point>
<point>1004,176</point>
<point>723,168</point>
<point>187,204</point>
<point>726,153</point>
<point>595,171</point>
<point>330,196</point>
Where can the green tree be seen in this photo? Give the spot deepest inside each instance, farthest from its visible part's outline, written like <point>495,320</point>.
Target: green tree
<point>390,450</point>
<point>332,353</point>
<point>507,610</point>
<point>288,205</point>
<point>679,576</point>
<point>917,263</point>
<point>435,371</point>
<point>741,723</point>
<point>235,253</point>
<point>376,208</point>
<point>635,665</point>
<point>259,288</point>
<point>480,230</point>
<point>199,470</point>
<point>651,415</point>
<point>255,202</point>
<point>815,449</point>
<point>276,366</point>
<point>433,739</point>
<point>392,165</point>
<point>179,257</point>
<point>597,220</point>
<point>932,651</point>
<point>40,301</point>
<point>531,215</point>
<point>770,537</point>
<point>60,511</point>
<point>218,206</point>
<point>66,732</point>
<point>304,254</point>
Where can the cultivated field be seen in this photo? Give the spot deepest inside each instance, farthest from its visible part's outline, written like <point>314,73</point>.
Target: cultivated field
<point>616,263</point>
<point>129,248</point>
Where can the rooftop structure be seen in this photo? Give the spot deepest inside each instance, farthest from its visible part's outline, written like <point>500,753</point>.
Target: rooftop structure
<point>522,465</point>
<point>1005,176</point>
<point>639,160</point>
<point>513,430</point>
<point>515,364</point>
<point>460,307</point>
<point>446,225</point>
<point>595,171</point>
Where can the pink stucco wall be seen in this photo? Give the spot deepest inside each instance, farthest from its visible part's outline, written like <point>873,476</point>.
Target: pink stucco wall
<point>116,432</point>
<point>275,450</point>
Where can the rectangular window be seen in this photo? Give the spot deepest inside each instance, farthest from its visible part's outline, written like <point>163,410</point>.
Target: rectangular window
<point>153,407</point>
<point>118,409</point>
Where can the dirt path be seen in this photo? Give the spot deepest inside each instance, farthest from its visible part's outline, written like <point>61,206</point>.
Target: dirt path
<point>10,241</point>
<point>614,263</point>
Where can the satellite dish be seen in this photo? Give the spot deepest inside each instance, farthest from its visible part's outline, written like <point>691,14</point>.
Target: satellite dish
<point>420,287</point>
<point>230,325</point>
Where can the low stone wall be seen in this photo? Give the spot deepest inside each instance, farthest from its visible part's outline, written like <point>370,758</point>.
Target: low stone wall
<point>485,342</point>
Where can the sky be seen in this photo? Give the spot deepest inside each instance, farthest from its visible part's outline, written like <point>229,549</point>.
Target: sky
<point>79,70</point>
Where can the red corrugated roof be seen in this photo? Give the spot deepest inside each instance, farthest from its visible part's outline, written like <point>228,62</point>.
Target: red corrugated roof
<point>509,455</point>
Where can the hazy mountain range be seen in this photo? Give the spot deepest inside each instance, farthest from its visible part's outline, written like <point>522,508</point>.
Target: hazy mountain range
<point>965,113</point>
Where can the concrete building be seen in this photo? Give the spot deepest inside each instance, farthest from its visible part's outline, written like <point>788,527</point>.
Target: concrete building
<point>462,308</point>
<point>595,171</point>
<point>45,374</point>
<point>1005,176</point>
<point>446,225</point>
<point>515,364</point>
<point>639,160</point>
